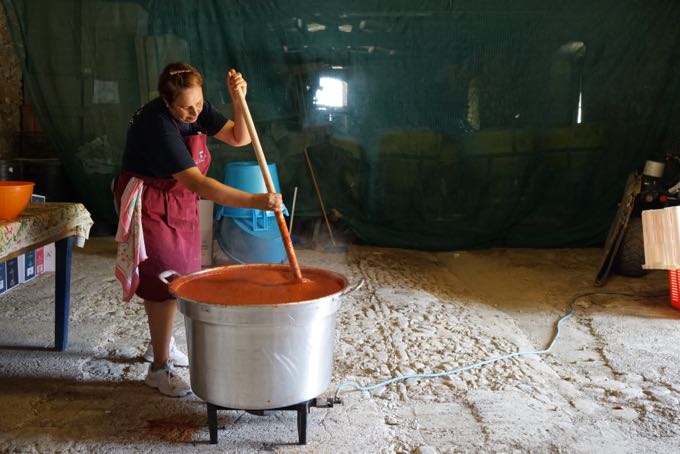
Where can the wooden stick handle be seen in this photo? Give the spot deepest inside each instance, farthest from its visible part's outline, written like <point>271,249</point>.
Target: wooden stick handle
<point>259,154</point>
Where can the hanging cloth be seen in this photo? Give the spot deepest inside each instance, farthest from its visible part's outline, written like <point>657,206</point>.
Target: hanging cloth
<point>130,238</point>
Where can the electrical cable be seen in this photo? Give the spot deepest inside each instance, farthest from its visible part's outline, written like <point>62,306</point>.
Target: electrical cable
<point>556,336</point>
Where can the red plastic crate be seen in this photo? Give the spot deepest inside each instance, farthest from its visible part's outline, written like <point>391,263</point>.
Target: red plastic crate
<point>674,285</point>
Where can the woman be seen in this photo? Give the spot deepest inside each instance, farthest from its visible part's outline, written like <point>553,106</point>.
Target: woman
<point>164,165</point>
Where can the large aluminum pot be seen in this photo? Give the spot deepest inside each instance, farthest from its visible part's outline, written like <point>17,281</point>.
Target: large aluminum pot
<point>259,356</point>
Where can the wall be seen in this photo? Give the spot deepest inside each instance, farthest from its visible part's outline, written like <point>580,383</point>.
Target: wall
<point>10,91</point>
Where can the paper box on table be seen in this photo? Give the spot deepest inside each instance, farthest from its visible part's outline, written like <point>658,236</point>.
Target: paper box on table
<point>12,270</point>
<point>3,277</point>
<point>29,265</point>
<point>21,268</point>
<point>49,258</point>
<point>39,261</point>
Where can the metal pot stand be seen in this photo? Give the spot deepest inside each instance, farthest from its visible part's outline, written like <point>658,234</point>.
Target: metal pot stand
<point>302,410</point>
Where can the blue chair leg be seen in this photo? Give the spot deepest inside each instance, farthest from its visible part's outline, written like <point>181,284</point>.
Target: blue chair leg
<point>62,292</point>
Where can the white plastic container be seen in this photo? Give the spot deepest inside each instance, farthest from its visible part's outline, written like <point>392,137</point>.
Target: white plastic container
<point>661,238</point>
<point>205,210</point>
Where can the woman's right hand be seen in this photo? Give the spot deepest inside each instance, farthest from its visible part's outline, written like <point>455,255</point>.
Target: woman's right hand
<point>268,202</point>
<point>235,82</point>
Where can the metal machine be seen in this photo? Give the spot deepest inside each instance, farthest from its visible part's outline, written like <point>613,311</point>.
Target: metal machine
<point>624,248</point>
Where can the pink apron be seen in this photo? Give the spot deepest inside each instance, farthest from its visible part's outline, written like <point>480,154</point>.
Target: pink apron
<point>170,223</point>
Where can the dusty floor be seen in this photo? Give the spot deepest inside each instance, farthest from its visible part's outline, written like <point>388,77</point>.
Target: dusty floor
<point>611,384</point>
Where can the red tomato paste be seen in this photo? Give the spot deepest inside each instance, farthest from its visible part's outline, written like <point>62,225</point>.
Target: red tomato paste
<point>256,284</point>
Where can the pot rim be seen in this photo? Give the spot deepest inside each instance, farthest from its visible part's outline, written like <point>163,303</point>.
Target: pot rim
<point>197,274</point>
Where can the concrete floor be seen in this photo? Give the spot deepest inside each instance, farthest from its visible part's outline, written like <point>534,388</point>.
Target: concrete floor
<point>611,383</point>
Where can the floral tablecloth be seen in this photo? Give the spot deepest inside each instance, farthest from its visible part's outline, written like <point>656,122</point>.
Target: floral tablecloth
<point>44,223</point>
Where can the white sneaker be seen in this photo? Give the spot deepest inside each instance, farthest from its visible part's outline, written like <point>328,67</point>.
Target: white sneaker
<point>168,381</point>
<point>177,358</point>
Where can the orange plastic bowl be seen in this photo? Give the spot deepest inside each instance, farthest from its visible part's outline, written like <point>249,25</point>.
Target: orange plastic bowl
<point>14,198</point>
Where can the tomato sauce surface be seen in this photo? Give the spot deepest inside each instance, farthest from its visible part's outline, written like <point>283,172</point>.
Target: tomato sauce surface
<point>256,284</point>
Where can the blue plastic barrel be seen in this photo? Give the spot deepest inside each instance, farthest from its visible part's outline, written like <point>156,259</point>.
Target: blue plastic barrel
<point>247,235</point>
<point>242,244</point>
<point>246,176</point>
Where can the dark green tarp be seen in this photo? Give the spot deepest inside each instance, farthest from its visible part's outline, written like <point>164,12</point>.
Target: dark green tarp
<point>452,124</point>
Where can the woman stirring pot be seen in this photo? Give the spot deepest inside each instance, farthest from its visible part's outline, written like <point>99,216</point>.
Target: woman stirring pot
<point>163,176</point>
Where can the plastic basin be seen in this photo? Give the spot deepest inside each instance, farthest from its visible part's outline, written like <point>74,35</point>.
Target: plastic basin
<point>14,198</point>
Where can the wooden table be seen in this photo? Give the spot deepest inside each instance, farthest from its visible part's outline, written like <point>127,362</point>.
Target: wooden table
<point>41,224</point>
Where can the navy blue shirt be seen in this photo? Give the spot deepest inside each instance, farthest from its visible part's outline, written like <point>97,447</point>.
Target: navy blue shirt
<point>155,146</point>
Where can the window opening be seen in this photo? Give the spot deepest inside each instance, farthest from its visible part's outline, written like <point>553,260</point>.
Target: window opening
<point>332,93</point>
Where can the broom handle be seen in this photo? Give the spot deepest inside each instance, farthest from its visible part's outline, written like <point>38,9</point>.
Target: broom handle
<point>318,194</point>
<point>259,154</point>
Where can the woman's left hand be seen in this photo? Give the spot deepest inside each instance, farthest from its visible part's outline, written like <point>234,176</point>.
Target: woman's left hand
<point>235,81</point>
<point>268,202</point>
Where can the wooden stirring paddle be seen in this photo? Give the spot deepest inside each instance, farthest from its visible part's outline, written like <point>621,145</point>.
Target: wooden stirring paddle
<point>285,235</point>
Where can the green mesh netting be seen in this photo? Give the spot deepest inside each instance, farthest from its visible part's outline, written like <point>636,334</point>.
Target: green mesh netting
<point>430,124</point>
